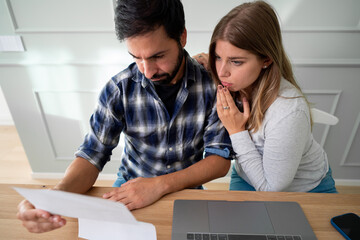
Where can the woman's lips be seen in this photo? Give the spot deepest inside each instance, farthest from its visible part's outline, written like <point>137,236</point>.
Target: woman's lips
<point>226,84</point>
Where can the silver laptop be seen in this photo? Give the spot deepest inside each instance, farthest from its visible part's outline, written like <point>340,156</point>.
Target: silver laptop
<point>231,220</point>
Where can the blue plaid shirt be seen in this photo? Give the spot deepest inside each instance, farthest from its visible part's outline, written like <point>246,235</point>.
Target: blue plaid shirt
<point>155,142</point>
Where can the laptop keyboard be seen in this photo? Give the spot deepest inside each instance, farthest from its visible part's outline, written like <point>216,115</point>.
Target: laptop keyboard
<point>222,236</point>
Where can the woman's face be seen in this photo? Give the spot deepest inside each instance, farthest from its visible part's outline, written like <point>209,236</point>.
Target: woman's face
<point>237,68</point>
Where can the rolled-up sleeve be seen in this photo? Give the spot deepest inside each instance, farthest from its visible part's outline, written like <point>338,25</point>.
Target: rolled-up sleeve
<point>105,128</point>
<point>216,138</point>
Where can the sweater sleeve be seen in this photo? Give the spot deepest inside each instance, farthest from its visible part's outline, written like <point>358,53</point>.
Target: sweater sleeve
<point>284,143</point>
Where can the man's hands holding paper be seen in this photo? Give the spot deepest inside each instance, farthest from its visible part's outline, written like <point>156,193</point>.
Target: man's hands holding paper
<point>137,193</point>
<point>97,218</point>
<point>37,220</point>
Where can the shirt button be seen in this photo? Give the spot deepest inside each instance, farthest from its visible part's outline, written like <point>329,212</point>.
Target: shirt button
<point>168,166</point>
<point>170,149</point>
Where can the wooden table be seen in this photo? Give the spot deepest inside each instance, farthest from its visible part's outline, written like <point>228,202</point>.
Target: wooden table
<point>318,207</point>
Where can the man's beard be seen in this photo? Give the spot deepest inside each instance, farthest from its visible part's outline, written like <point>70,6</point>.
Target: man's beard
<point>169,77</point>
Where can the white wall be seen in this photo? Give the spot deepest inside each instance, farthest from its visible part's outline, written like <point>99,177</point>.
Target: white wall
<point>72,50</point>
<point>309,17</point>
<point>5,115</point>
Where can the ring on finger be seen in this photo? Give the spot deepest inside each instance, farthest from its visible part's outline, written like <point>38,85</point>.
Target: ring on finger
<point>226,107</point>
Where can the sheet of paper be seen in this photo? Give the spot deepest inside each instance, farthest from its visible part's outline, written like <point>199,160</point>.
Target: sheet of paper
<point>96,230</point>
<point>97,217</point>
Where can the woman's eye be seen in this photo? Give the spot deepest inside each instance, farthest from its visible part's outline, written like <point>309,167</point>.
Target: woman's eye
<point>237,63</point>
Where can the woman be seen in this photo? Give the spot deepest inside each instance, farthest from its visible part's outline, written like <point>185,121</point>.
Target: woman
<point>262,107</point>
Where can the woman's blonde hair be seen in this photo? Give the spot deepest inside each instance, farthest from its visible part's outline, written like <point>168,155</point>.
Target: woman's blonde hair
<point>254,27</point>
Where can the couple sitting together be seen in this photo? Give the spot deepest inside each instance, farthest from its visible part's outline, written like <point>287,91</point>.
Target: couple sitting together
<point>185,118</point>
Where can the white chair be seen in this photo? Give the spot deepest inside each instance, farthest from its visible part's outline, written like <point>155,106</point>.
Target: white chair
<point>319,116</point>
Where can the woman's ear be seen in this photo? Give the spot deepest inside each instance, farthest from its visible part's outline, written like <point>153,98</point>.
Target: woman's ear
<point>267,62</point>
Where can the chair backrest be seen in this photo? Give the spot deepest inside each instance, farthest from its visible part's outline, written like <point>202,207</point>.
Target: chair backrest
<point>319,116</point>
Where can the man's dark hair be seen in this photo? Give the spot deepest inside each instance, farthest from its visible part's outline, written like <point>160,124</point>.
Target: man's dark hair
<point>137,17</point>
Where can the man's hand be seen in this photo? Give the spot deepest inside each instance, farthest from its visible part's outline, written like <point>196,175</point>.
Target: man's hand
<point>141,192</point>
<point>137,193</point>
<point>36,220</point>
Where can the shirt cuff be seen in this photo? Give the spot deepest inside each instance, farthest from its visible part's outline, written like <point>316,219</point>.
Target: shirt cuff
<point>82,154</point>
<point>225,153</point>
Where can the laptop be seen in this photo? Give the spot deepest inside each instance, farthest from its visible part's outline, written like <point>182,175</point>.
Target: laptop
<point>239,220</point>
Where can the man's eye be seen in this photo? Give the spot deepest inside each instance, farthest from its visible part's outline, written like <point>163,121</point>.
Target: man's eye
<point>158,56</point>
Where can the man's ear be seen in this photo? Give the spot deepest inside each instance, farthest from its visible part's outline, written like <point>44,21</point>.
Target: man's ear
<point>183,38</point>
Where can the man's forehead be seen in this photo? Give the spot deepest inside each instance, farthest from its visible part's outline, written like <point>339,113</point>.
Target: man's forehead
<point>147,56</point>
<point>147,51</point>
<point>149,44</point>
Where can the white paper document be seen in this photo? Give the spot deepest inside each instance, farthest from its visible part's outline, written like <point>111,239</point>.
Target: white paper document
<point>98,218</point>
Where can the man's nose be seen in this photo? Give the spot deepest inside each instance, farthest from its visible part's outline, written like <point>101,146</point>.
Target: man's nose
<point>149,68</point>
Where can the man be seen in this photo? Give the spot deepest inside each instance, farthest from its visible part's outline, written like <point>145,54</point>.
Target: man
<point>164,103</point>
